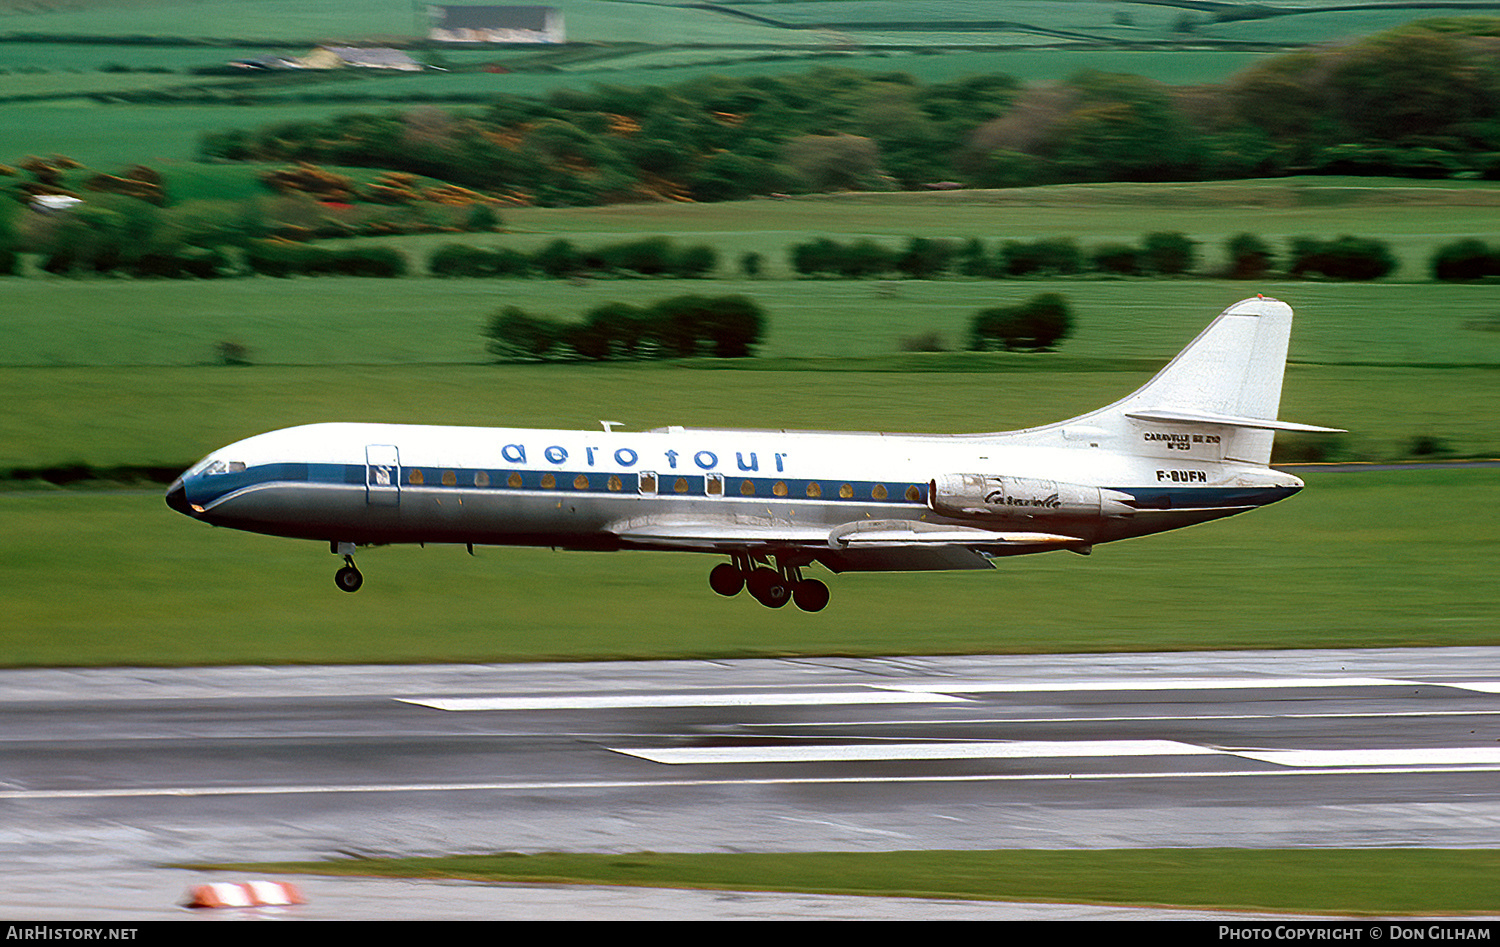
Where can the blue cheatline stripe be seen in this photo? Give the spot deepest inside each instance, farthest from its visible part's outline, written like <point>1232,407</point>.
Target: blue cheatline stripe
<point>1177,498</point>
<point>671,483</point>
<point>500,480</point>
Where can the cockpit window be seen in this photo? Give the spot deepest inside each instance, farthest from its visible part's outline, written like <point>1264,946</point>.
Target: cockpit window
<point>216,467</point>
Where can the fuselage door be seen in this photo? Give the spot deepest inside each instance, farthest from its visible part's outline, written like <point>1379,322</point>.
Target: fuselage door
<point>382,475</point>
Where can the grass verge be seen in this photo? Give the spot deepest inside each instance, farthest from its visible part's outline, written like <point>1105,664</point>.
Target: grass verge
<point>1369,559</point>
<point>1340,882</point>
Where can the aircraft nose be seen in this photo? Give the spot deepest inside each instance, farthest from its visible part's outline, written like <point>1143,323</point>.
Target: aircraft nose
<point>177,497</point>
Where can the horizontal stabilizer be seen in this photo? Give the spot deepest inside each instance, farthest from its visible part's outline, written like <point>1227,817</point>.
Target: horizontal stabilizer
<point>1177,416</point>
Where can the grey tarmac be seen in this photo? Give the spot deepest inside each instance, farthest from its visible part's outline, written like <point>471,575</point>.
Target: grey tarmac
<point>107,775</point>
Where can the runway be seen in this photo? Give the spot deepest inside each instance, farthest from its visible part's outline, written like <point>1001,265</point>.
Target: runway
<point>109,773</point>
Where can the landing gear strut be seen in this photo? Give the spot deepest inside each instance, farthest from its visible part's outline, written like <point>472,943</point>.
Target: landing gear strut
<point>349,578</point>
<point>771,586</point>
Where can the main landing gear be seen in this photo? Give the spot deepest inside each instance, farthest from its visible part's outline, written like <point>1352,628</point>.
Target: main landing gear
<point>349,578</point>
<point>772,587</point>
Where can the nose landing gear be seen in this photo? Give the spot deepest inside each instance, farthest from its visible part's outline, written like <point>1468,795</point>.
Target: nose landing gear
<point>772,587</point>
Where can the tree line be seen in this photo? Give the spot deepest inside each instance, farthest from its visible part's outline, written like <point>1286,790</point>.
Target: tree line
<point>92,251</point>
<point>646,256</point>
<point>726,327</point>
<point>1421,100</point>
<point>678,327</point>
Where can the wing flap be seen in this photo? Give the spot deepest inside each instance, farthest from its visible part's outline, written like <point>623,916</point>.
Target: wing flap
<point>915,532</point>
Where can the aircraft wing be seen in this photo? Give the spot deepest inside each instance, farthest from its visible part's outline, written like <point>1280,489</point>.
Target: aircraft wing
<point>859,546</point>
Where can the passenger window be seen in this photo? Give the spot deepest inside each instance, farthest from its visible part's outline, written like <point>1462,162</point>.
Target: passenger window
<point>879,492</point>
<point>747,488</point>
<point>913,495</point>
<point>450,479</point>
<point>846,492</point>
<point>681,486</point>
<point>513,481</point>
<point>615,484</point>
<point>779,489</point>
<point>580,482</point>
<point>814,491</point>
<point>481,478</point>
<point>549,482</point>
<point>647,482</point>
<point>416,476</point>
<point>715,485</point>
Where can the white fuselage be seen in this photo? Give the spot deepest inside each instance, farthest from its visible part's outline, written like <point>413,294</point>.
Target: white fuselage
<point>388,483</point>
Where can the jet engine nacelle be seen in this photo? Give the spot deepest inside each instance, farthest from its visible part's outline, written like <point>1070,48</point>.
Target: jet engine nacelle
<point>1022,498</point>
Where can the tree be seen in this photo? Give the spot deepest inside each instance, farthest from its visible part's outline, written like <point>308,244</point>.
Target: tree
<point>925,258</point>
<point>516,335</point>
<point>1036,325</point>
<point>558,258</point>
<point>694,262</point>
<point>974,259</point>
<point>1123,128</point>
<point>617,330</point>
<point>482,219</point>
<point>728,326</point>
<point>730,177</point>
<point>1250,257</point>
<point>817,256</point>
<point>1169,254</point>
<point>649,256</point>
<point>458,259</point>
<point>836,162</point>
<point>865,258</point>
<point>1345,257</point>
<point>1050,256</point>
<point>752,264</point>
<point>734,326</point>
<point>1119,258</point>
<point>1465,260</point>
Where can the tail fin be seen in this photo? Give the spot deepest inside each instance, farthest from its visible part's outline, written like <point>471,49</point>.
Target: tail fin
<point>1224,389</point>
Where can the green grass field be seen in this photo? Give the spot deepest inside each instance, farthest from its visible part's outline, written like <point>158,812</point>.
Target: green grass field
<point>333,321</point>
<point>173,416</point>
<point>112,372</point>
<point>1398,882</point>
<point>1367,559</point>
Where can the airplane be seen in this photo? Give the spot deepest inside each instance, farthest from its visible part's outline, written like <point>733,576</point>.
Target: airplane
<point>1193,444</point>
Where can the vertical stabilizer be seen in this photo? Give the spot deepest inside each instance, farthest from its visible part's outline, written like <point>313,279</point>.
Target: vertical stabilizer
<point>1233,368</point>
<point>1223,389</point>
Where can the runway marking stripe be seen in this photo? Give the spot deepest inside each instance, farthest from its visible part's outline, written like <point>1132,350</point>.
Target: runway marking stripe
<point>1030,749</point>
<point>1156,684</point>
<point>1431,756</point>
<point>936,692</point>
<point>1484,687</point>
<point>866,752</point>
<point>577,786</point>
<point>614,701</point>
